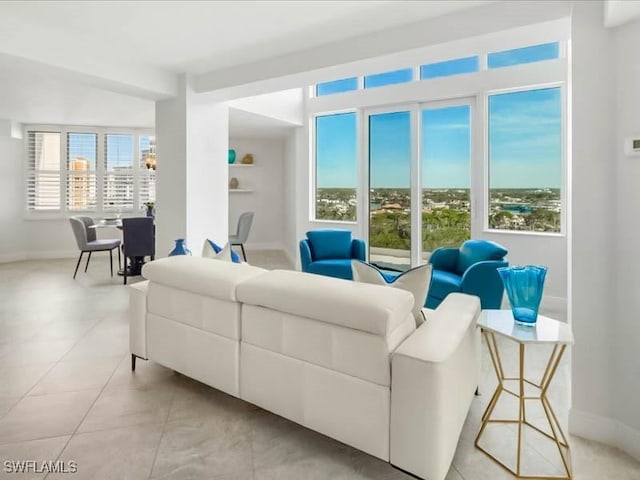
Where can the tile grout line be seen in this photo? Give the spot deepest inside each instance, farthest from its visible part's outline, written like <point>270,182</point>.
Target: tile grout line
<point>164,425</point>
<point>53,365</point>
<point>85,415</point>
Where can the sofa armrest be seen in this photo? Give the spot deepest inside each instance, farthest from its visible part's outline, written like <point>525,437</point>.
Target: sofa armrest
<point>444,259</point>
<point>483,280</point>
<point>138,318</point>
<point>434,374</point>
<point>358,249</point>
<point>305,255</point>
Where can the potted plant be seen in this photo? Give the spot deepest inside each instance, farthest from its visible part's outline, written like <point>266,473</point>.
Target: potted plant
<point>150,208</point>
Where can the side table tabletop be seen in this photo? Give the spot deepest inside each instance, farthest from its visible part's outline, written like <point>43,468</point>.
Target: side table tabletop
<point>545,331</point>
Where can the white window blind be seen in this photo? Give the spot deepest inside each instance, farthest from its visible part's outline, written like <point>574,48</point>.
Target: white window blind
<point>147,176</point>
<point>118,178</point>
<point>82,151</point>
<point>43,171</point>
<point>88,169</point>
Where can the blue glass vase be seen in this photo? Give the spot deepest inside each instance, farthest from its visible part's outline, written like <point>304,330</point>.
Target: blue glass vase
<point>524,287</point>
<point>232,155</point>
<point>180,248</point>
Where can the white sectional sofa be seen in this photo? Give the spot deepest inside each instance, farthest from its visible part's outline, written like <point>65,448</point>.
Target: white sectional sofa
<point>339,357</point>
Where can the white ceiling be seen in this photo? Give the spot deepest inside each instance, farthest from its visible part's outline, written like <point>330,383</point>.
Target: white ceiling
<point>62,61</point>
<point>243,124</point>
<point>27,97</point>
<point>619,12</point>
<point>196,36</point>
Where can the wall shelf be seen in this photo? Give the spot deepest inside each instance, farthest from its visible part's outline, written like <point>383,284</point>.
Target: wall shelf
<point>243,165</point>
<point>240,190</point>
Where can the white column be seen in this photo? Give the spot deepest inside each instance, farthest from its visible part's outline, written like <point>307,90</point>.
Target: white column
<point>192,139</point>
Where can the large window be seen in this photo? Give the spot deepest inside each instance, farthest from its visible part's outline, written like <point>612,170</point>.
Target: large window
<point>336,167</point>
<point>525,160</point>
<point>390,189</point>
<point>446,176</point>
<point>76,170</point>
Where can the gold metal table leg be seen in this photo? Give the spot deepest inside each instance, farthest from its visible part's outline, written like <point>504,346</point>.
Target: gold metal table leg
<point>557,435</point>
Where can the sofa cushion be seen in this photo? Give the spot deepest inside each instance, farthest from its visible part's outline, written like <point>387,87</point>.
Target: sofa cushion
<point>416,281</point>
<point>330,300</point>
<point>330,244</point>
<point>332,268</point>
<point>201,276</point>
<point>474,251</point>
<point>443,283</point>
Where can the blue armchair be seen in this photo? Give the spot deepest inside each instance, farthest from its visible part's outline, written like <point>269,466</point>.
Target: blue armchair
<point>329,252</point>
<point>470,269</point>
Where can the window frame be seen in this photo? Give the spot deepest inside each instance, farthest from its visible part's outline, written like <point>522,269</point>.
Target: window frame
<point>563,159</point>
<point>63,212</point>
<point>313,178</point>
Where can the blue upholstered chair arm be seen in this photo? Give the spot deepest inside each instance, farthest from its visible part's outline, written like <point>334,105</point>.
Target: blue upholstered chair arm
<point>358,249</point>
<point>305,255</point>
<point>444,259</point>
<point>482,279</point>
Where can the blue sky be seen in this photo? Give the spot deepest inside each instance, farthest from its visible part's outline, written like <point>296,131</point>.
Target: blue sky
<point>120,149</point>
<point>524,139</point>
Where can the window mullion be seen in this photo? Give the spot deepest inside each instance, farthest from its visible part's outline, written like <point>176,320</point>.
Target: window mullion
<point>100,170</point>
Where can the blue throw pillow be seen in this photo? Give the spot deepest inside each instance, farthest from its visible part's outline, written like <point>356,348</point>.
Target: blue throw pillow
<point>328,244</point>
<point>235,258</point>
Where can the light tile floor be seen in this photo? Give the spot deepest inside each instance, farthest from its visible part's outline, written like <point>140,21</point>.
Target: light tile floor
<point>67,393</point>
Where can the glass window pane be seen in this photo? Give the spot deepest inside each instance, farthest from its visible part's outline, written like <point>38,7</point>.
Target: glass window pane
<point>118,175</point>
<point>388,78</point>
<point>446,176</point>
<point>82,149</point>
<point>336,167</point>
<point>535,53</point>
<point>390,190</point>
<point>43,178</point>
<point>450,67</point>
<point>525,160</point>
<point>147,171</point>
<point>337,86</point>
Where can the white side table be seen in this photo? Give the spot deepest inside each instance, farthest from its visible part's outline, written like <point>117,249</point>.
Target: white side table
<point>545,331</point>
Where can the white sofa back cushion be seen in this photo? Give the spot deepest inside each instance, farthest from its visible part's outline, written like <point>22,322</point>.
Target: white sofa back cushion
<point>193,274</point>
<point>331,300</point>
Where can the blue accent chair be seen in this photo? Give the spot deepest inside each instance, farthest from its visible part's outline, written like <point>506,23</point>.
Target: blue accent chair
<point>329,252</point>
<point>469,269</point>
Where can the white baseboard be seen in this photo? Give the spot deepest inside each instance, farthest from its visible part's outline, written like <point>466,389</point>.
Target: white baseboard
<point>263,246</point>
<point>13,257</point>
<point>605,430</point>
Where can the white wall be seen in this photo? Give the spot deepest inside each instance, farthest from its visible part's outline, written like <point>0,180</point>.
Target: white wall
<point>291,187</point>
<point>547,250</point>
<point>267,201</point>
<point>627,207</point>
<point>11,205</point>
<point>603,283</point>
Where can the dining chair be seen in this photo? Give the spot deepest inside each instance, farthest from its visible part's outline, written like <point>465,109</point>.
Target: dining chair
<point>242,232</point>
<point>139,241</point>
<point>87,241</point>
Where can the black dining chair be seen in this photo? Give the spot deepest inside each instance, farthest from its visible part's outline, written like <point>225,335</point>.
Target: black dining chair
<point>87,242</point>
<point>139,241</point>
